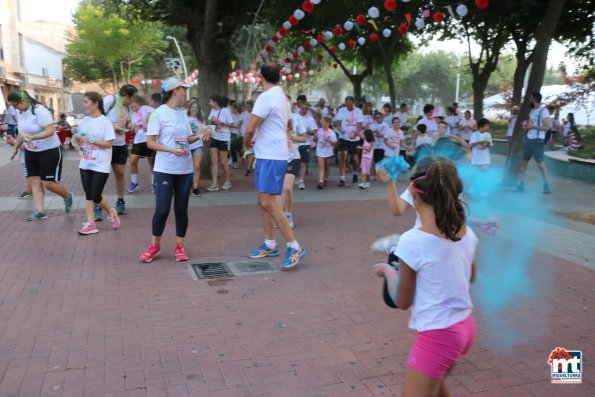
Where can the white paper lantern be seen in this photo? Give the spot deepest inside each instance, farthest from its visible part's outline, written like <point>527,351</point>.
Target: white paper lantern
<point>301,49</point>
<point>283,78</point>
<point>342,46</point>
<point>462,10</point>
<point>286,25</point>
<point>299,14</point>
<point>311,72</point>
<point>271,43</point>
<point>315,2</point>
<point>373,12</point>
<point>328,35</point>
<point>278,35</point>
<point>361,41</point>
<point>386,32</point>
<point>143,82</point>
<point>420,24</point>
<point>313,42</point>
<point>297,75</point>
<point>348,25</point>
<point>149,81</point>
<point>252,80</point>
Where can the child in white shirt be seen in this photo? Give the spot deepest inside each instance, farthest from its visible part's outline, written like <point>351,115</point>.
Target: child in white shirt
<point>326,141</point>
<point>480,143</point>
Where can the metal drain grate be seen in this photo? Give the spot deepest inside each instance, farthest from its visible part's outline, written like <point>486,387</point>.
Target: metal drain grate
<point>251,267</point>
<point>211,270</point>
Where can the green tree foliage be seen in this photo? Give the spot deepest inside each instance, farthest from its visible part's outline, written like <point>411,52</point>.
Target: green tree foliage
<point>110,47</point>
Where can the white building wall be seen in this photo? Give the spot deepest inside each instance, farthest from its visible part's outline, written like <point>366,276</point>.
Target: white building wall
<point>39,57</point>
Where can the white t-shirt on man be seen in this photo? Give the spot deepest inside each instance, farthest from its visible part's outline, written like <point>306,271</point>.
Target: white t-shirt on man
<point>443,277</point>
<point>93,157</point>
<point>270,139</point>
<point>431,125</point>
<point>141,120</point>
<point>11,115</point>
<point>349,120</point>
<point>223,115</point>
<point>31,124</point>
<point>480,154</point>
<point>537,117</point>
<point>310,125</point>
<point>173,129</point>
<point>244,118</point>
<point>299,129</point>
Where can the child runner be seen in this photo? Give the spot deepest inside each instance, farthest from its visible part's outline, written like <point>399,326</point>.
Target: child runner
<point>221,117</point>
<point>95,136</point>
<point>327,140</point>
<point>437,265</point>
<point>480,143</point>
<point>421,142</point>
<point>367,153</point>
<point>169,134</point>
<point>394,139</point>
<point>197,147</point>
<point>140,112</point>
<point>380,129</point>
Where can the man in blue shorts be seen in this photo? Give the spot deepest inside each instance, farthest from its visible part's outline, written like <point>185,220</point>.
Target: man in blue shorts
<point>267,129</point>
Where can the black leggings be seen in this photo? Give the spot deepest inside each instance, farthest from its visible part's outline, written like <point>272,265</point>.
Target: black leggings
<point>93,184</point>
<point>235,147</point>
<point>167,186</point>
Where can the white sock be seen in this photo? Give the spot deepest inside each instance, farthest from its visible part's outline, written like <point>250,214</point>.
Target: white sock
<point>152,179</point>
<point>134,178</point>
<point>342,177</point>
<point>294,245</point>
<point>270,243</point>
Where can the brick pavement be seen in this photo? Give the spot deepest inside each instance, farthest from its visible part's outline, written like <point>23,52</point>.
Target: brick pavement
<point>79,316</point>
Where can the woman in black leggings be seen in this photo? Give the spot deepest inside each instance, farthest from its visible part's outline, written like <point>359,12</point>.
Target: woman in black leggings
<point>169,134</point>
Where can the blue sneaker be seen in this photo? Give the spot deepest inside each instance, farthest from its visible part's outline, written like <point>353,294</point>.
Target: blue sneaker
<point>37,216</point>
<point>98,214</point>
<point>263,251</point>
<point>133,187</point>
<point>120,207</point>
<point>292,257</point>
<point>68,203</point>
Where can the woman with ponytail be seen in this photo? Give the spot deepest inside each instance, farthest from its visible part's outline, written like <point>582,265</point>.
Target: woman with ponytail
<point>436,267</point>
<point>43,157</point>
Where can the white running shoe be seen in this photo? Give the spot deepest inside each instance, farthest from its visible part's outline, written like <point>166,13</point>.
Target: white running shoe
<point>384,245</point>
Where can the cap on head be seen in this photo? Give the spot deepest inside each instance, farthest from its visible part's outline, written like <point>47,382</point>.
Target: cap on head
<point>171,83</point>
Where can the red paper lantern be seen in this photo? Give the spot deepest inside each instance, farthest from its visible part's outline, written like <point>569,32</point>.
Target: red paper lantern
<point>373,37</point>
<point>308,64</point>
<point>283,32</point>
<point>333,50</point>
<point>293,20</point>
<point>268,48</point>
<point>289,76</point>
<point>295,54</point>
<point>351,43</point>
<point>335,66</point>
<point>283,71</point>
<point>438,17</point>
<point>482,4</point>
<point>403,29</point>
<point>307,6</point>
<point>304,74</point>
<point>275,39</point>
<point>390,5</point>
<point>307,45</point>
<point>296,68</point>
<point>319,57</point>
<point>361,20</point>
<point>287,60</point>
<point>320,38</point>
<point>338,31</point>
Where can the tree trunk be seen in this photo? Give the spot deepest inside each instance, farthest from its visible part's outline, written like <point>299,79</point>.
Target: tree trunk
<point>391,82</point>
<point>480,82</point>
<point>520,72</point>
<point>543,37</point>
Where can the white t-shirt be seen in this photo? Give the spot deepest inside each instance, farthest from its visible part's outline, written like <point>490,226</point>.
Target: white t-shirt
<point>299,129</point>
<point>422,139</point>
<point>349,120</point>
<point>11,115</point>
<point>118,115</point>
<point>244,118</point>
<point>309,125</point>
<point>323,110</point>
<point>270,139</point>
<point>173,129</point>
<point>443,277</point>
<point>379,130</point>
<point>537,117</point>
<point>388,120</point>
<point>326,139</point>
<point>566,128</point>
<point>468,127</point>
<point>141,120</point>
<point>511,123</point>
<point>395,138</point>
<point>431,125</point>
<point>480,155</point>
<point>31,124</point>
<point>194,126</point>
<point>370,154</point>
<point>368,119</point>
<point>224,115</point>
<point>408,198</point>
<point>93,157</point>
<point>236,122</point>
<point>404,117</point>
<point>452,121</point>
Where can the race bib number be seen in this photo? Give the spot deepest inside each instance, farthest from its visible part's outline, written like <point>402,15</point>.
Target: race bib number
<point>89,152</point>
<point>182,144</point>
<point>32,145</point>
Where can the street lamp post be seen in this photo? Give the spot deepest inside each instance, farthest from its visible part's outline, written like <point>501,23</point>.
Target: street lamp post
<point>183,61</point>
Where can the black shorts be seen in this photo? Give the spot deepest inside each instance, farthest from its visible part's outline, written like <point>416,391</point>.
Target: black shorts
<point>534,148</point>
<point>293,167</point>
<point>348,146</point>
<point>378,155</point>
<point>142,150</point>
<point>304,153</point>
<point>119,154</point>
<point>46,164</point>
<point>222,146</point>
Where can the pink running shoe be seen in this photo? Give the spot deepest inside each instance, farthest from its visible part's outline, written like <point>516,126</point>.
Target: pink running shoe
<point>181,255</point>
<point>88,228</point>
<point>150,253</point>
<point>114,219</point>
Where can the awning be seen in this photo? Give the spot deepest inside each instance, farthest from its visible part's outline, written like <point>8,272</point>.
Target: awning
<point>2,103</point>
<point>13,80</point>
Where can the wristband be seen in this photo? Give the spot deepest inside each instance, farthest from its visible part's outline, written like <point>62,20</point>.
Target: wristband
<point>91,141</point>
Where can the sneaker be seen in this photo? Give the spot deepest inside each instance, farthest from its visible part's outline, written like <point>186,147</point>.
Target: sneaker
<point>263,251</point>
<point>292,257</point>
<point>120,207</point>
<point>367,185</point>
<point>362,185</point>
<point>385,244</point>
<point>341,183</point>
<point>213,188</point>
<point>88,228</point>
<point>133,187</point>
<point>181,255</point>
<point>247,172</point>
<point>196,192</point>
<point>301,185</point>
<point>98,214</point>
<point>320,185</point>
<point>354,179</point>
<point>325,182</point>
<point>150,253</point>
<point>520,188</point>
<point>290,221</point>
<point>226,185</point>
<point>546,188</point>
<point>235,165</point>
<point>25,195</point>
<point>114,219</point>
<point>37,216</point>
<point>68,203</point>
